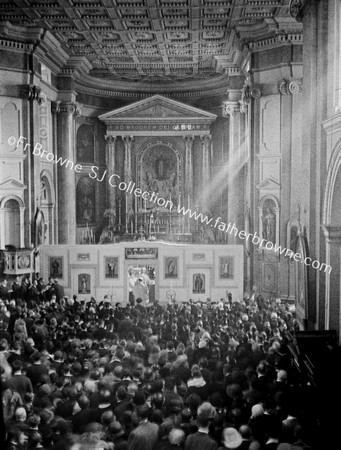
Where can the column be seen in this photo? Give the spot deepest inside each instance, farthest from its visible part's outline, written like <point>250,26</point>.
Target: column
<point>206,170</point>
<point>111,166</point>
<point>188,171</point>
<point>22,227</point>
<point>128,140</point>
<point>332,316</point>
<point>235,196</point>
<point>2,228</point>
<point>66,176</point>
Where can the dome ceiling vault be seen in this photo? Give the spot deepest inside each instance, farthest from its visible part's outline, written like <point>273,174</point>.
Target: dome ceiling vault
<point>155,41</point>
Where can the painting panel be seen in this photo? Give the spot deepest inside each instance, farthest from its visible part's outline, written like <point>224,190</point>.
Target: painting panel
<point>226,268</point>
<point>198,283</point>
<point>171,267</point>
<point>159,174</point>
<point>84,283</point>
<point>56,264</point>
<point>111,267</point>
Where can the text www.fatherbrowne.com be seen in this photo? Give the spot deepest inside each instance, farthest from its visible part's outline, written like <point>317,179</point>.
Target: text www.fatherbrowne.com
<point>130,188</point>
<point>231,228</point>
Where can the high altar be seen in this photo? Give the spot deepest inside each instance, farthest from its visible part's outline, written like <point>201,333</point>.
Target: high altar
<point>156,145</point>
<point>161,147</point>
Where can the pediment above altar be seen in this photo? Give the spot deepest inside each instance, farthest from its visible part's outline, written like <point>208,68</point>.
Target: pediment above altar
<point>157,108</point>
<point>12,185</point>
<point>269,185</point>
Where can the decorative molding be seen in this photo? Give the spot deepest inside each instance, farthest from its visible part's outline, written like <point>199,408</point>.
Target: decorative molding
<point>276,41</point>
<point>31,92</point>
<point>55,107</point>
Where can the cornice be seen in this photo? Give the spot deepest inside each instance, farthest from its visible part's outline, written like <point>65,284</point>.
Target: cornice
<point>89,85</point>
<point>275,41</point>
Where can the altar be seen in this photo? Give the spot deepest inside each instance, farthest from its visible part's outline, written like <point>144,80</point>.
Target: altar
<point>177,272</point>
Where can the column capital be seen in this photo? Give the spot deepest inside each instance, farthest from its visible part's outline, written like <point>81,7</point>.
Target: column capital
<point>205,138</point>
<point>127,140</point>
<point>188,138</point>
<point>230,108</point>
<point>110,139</point>
<point>286,87</point>
<point>32,92</point>
<point>70,108</point>
<point>296,9</point>
<point>188,141</point>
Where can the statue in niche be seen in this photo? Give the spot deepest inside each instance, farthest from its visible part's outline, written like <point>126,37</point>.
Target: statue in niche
<point>198,283</point>
<point>269,221</point>
<point>43,191</point>
<point>160,168</point>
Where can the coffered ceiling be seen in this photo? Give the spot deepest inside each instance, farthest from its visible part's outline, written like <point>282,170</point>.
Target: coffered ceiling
<point>154,41</point>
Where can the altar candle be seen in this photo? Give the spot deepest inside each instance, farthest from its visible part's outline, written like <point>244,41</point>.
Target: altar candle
<point>136,215</point>
<point>179,215</point>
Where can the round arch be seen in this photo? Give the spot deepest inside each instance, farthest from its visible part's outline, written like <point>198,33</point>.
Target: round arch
<point>332,176</point>
<point>45,174</point>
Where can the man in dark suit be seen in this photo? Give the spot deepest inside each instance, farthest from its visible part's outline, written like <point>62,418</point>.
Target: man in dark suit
<point>201,440</point>
<point>145,436</point>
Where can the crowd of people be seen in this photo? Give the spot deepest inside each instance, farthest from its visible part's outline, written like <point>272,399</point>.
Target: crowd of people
<point>80,375</point>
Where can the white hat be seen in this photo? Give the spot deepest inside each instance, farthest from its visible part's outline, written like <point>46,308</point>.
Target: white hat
<point>231,438</point>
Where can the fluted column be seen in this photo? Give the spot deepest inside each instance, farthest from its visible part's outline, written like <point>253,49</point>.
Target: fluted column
<point>232,110</point>
<point>332,313</point>
<point>206,168</point>
<point>66,176</point>
<point>111,165</point>
<point>188,170</point>
<point>128,140</point>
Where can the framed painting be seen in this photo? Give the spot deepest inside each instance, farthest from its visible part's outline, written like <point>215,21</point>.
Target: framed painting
<point>171,266</point>
<point>84,283</point>
<point>111,267</point>
<point>226,267</point>
<point>198,283</point>
<point>56,264</point>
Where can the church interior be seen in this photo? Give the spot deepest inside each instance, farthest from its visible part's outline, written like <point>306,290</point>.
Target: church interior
<point>175,151</point>
<point>228,109</point>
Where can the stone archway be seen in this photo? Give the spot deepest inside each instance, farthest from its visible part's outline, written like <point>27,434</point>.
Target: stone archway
<point>332,231</point>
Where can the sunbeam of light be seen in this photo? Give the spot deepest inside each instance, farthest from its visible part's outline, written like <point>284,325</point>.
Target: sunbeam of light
<point>226,175</point>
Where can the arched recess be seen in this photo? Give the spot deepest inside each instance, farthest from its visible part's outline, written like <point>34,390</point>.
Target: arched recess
<point>268,209</point>
<point>331,225</point>
<point>12,221</point>
<point>10,125</point>
<point>47,206</point>
<point>159,170</point>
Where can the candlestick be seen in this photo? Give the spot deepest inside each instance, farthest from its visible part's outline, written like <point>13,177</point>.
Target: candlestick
<point>179,218</point>
<point>188,218</point>
<point>119,213</point>
<point>135,215</point>
<point>170,214</point>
